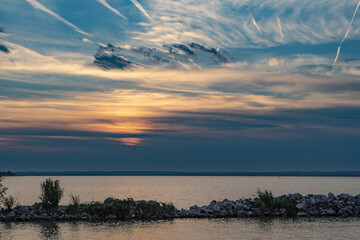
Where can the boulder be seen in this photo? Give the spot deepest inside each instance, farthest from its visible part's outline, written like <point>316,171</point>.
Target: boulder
<point>109,199</point>
<point>331,196</point>
<point>257,212</point>
<point>10,215</point>
<point>330,212</point>
<point>300,206</point>
<point>23,217</point>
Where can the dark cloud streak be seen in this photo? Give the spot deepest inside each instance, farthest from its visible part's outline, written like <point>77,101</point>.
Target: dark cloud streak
<point>4,49</point>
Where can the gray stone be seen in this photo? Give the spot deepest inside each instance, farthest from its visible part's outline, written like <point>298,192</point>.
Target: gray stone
<point>109,199</point>
<point>330,212</point>
<point>23,217</point>
<point>257,211</point>
<point>300,206</point>
<point>241,213</point>
<point>331,196</point>
<point>344,196</point>
<point>250,214</point>
<point>21,209</point>
<point>10,215</point>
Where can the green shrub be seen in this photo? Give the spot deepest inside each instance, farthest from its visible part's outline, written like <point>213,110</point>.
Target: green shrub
<point>122,208</point>
<point>289,206</point>
<point>74,206</point>
<point>265,200</point>
<point>9,203</point>
<point>51,193</point>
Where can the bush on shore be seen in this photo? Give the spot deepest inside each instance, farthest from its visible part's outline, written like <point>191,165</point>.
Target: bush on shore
<point>51,193</point>
<point>267,202</point>
<point>125,209</point>
<point>9,203</point>
<point>74,206</point>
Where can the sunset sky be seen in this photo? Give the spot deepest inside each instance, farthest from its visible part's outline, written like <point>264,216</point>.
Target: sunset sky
<point>205,85</point>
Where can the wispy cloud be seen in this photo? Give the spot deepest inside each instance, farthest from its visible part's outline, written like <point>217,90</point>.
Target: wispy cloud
<point>103,2</point>
<point>255,24</point>
<point>140,7</point>
<point>209,22</point>
<point>280,29</point>
<point>38,5</point>
<point>86,40</point>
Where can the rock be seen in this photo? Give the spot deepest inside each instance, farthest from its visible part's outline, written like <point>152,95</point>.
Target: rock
<point>344,196</point>
<point>228,205</point>
<point>10,215</point>
<point>223,213</point>
<point>241,213</point>
<point>238,205</point>
<point>282,210</point>
<point>250,214</point>
<point>330,212</point>
<point>300,206</point>
<point>257,211</point>
<point>21,209</point>
<point>331,196</point>
<point>109,199</point>
<point>23,217</point>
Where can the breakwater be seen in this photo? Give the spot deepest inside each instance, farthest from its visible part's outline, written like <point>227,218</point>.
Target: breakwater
<point>265,205</point>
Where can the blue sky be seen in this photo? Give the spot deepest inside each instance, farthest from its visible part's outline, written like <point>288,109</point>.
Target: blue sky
<point>179,85</point>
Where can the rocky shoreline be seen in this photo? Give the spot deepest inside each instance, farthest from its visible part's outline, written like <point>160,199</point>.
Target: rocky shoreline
<point>292,205</point>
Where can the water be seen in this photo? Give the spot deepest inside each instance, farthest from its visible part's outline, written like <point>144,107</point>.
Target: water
<point>184,192</point>
<point>188,229</point>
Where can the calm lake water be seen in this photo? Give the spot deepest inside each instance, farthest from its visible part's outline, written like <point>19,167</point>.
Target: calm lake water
<point>184,192</point>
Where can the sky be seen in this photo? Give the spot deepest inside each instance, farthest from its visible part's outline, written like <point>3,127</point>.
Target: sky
<point>205,85</point>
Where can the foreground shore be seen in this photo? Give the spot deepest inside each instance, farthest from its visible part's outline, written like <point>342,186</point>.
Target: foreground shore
<point>291,205</point>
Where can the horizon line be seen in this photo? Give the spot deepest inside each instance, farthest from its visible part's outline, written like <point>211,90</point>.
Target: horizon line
<point>188,173</point>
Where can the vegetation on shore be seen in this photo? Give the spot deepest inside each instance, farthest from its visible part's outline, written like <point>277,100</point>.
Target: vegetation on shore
<point>267,202</point>
<point>124,209</point>
<point>51,193</point>
<point>111,208</point>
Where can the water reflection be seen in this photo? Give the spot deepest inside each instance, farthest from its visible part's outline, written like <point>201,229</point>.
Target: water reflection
<point>49,230</point>
<point>179,229</point>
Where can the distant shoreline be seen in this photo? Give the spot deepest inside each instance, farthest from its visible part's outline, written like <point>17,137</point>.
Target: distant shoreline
<point>178,173</point>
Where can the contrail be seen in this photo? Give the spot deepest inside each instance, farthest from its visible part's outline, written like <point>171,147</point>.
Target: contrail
<point>103,2</point>
<point>38,5</point>
<point>255,23</point>
<point>346,34</point>
<point>280,29</point>
<point>279,21</point>
<point>138,5</point>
